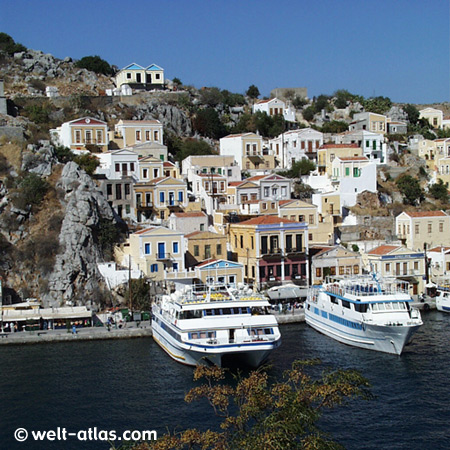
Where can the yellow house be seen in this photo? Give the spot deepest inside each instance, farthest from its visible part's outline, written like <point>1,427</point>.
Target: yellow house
<point>247,150</point>
<point>434,116</point>
<point>327,153</point>
<point>168,195</point>
<point>320,227</point>
<point>128,133</point>
<point>205,245</point>
<point>442,169</point>
<point>272,249</point>
<point>335,261</point>
<point>155,251</point>
<point>377,123</point>
<point>150,168</point>
<point>423,227</point>
<point>220,271</point>
<point>138,77</point>
<point>399,262</point>
<point>86,133</point>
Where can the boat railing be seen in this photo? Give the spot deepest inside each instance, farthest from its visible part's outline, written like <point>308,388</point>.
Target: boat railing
<point>365,289</point>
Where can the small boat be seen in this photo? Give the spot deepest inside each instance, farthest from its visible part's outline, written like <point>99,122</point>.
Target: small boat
<point>364,312</point>
<point>443,298</point>
<point>215,325</point>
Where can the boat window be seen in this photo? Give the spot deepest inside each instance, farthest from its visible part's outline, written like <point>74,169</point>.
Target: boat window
<point>257,311</point>
<point>259,331</point>
<point>334,300</point>
<point>401,305</point>
<point>388,306</point>
<point>381,307</point>
<point>361,307</point>
<point>194,335</point>
<point>346,304</point>
<point>209,312</point>
<point>203,334</point>
<point>227,311</point>
<point>190,314</point>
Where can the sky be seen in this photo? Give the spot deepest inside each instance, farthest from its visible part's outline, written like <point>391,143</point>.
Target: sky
<point>392,48</point>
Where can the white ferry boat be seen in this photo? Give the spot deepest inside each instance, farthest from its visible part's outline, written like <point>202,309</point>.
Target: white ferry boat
<point>213,325</point>
<point>443,299</point>
<point>364,312</point>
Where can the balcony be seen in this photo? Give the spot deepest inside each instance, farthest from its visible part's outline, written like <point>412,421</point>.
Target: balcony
<point>271,252</point>
<point>294,250</point>
<point>164,256</point>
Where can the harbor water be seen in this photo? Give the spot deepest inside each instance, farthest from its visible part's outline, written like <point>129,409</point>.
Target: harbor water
<point>133,385</point>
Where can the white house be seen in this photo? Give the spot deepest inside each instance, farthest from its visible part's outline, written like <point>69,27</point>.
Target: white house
<point>372,144</point>
<point>118,164</point>
<point>295,145</point>
<point>138,77</point>
<point>275,107</point>
<point>211,164</point>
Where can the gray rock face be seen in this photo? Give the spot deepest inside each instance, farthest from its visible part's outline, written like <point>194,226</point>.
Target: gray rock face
<point>75,275</point>
<point>39,159</point>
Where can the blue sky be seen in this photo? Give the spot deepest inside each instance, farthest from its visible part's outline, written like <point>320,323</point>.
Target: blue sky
<point>394,48</point>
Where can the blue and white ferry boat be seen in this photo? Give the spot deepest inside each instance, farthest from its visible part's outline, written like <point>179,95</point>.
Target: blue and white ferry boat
<point>215,324</point>
<point>364,312</point>
<point>443,298</point>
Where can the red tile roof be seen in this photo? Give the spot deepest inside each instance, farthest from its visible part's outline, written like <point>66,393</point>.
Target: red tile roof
<point>383,249</point>
<point>144,230</point>
<point>324,146</point>
<point>439,249</point>
<point>190,214</point>
<point>426,213</point>
<point>353,158</point>
<point>266,220</point>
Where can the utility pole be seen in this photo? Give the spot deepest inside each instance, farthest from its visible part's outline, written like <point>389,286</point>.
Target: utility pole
<point>130,295</point>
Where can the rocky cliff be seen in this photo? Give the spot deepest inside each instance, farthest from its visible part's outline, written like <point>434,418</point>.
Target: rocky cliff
<point>75,275</point>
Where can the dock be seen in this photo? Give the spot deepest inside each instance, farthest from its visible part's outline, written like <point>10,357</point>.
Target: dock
<point>293,316</point>
<point>130,331</point>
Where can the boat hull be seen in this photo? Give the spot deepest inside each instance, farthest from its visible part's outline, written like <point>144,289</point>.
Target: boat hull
<point>442,305</point>
<point>387,339</point>
<point>251,354</point>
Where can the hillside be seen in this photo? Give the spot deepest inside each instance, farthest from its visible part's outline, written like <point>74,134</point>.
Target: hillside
<point>54,224</point>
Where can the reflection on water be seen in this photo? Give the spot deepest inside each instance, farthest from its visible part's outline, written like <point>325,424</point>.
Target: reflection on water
<point>133,384</point>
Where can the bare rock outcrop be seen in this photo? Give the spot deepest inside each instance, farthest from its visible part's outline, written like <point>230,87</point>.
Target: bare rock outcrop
<point>75,276</point>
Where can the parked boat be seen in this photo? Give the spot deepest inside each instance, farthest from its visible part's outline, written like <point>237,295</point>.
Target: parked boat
<point>214,324</point>
<point>364,312</point>
<point>443,298</point>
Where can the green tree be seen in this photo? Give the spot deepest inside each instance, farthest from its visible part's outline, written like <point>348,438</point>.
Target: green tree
<point>108,235</point>
<point>8,46</point>
<point>140,294</point>
<point>412,113</point>
<point>30,192</point>
<point>335,126</point>
<point>308,113</point>
<point>87,162</point>
<point>299,168</point>
<point>177,82</point>
<point>439,191</point>
<point>321,102</point>
<point>187,147</point>
<point>379,105</point>
<point>207,122</point>
<point>253,92</point>
<point>95,64</point>
<point>261,414</point>
<point>211,96</point>
<point>410,189</point>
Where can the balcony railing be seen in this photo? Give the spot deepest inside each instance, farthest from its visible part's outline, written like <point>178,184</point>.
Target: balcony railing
<point>271,251</point>
<point>163,256</point>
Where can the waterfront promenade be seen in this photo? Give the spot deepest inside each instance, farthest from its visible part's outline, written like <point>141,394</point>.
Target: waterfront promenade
<point>131,330</point>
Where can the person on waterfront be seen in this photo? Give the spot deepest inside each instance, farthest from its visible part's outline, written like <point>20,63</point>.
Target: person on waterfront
<point>11,327</point>
<point>74,329</point>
